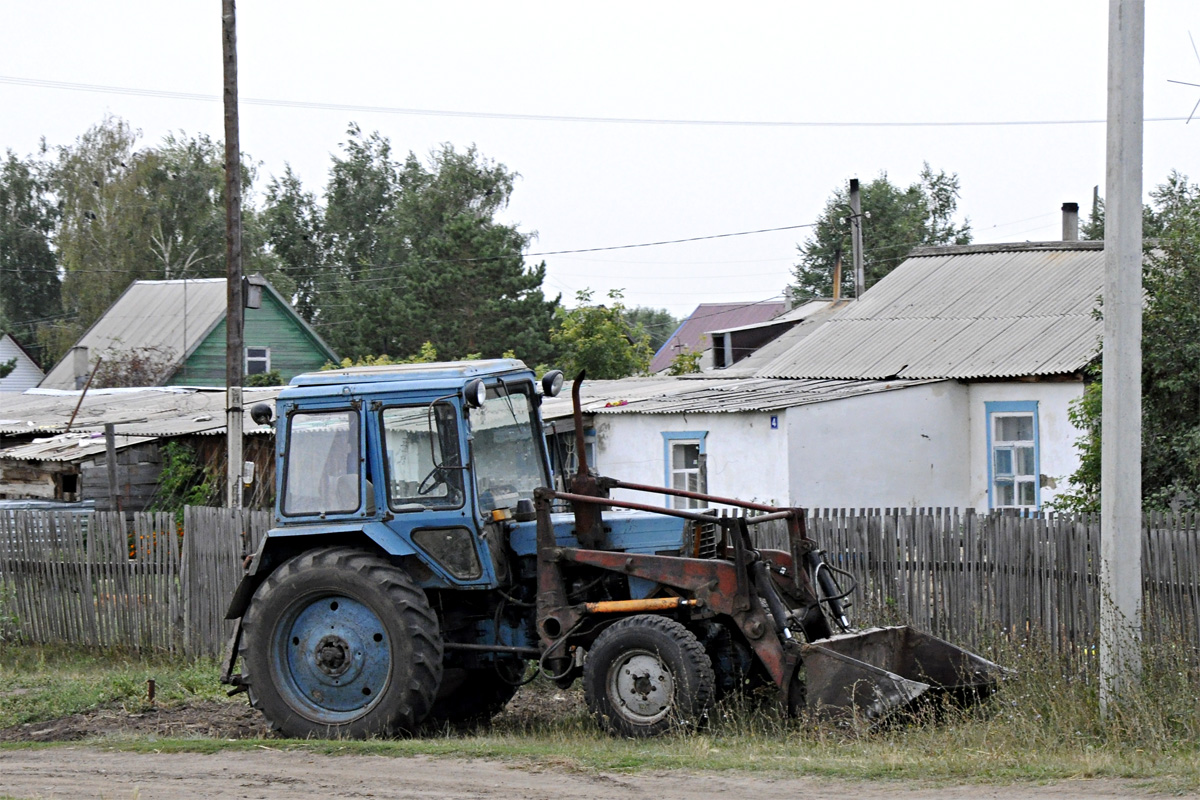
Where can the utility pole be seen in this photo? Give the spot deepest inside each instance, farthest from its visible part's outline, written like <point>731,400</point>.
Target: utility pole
<point>233,261</point>
<point>1121,420</point>
<point>860,278</point>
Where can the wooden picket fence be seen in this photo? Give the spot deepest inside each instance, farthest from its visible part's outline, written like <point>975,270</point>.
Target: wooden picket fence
<point>141,581</point>
<point>104,579</point>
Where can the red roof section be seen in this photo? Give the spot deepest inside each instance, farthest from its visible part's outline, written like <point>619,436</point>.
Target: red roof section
<point>690,335</point>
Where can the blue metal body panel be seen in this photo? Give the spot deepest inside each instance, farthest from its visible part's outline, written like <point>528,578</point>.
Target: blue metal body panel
<point>628,531</point>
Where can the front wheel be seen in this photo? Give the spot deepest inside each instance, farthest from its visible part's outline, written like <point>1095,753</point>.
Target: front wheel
<point>646,675</point>
<point>338,642</point>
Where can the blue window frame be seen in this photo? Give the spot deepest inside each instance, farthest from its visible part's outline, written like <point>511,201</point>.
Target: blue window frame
<point>684,466</point>
<point>1014,458</point>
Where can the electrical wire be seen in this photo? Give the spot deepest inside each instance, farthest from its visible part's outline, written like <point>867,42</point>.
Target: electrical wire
<point>497,115</point>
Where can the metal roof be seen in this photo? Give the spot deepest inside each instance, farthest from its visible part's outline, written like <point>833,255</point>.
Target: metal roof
<point>153,412</point>
<point>176,316</point>
<point>69,447</point>
<point>711,317</point>
<point>971,311</point>
<point>708,396</point>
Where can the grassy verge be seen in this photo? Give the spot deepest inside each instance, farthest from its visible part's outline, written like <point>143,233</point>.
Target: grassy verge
<point>1043,724</point>
<point>44,683</point>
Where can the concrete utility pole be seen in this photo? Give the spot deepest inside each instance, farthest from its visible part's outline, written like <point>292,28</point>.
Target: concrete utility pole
<point>233,262</point>
<point>1121,421</point>
<point>860,277</point>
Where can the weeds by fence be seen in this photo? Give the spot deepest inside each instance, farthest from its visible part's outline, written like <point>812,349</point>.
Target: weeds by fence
<point>99,579</point>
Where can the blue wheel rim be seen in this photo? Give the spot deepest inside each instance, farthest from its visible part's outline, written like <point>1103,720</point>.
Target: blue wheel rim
<point>333,658</point>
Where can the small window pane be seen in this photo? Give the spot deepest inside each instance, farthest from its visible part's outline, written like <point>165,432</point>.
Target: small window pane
<point>1004,462</point>
<point>685,456</point>
<point>1025,465</point>
<point>1027,493</point>
<point>1014,429</point>
<point>1004,493</point>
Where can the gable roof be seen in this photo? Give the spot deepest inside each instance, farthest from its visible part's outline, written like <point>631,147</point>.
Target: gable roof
<point>967,311</point>
<point>26,373</point>
<point>173,315</point>
<point>710,317</point>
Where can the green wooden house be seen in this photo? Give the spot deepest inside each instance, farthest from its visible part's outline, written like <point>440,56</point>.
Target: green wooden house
<point>181,324</point>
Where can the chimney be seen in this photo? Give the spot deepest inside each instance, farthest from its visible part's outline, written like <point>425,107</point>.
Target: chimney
<point>1070,212</point>
<point>79,364</point>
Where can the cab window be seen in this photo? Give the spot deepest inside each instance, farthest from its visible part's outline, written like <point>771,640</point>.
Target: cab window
<point>322,474</point>
<point>421,454</point>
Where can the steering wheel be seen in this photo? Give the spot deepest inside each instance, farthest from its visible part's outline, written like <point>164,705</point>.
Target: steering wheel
<point>436,476</point>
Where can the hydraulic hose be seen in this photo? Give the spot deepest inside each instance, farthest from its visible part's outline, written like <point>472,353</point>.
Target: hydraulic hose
<point>762,581</point>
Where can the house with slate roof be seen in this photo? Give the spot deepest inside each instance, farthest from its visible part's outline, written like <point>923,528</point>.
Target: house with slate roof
<point>947,384</point>
<point>184,321</point>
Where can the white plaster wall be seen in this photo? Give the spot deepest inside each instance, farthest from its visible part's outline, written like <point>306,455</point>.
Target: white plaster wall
<point>747,459</point>
<point>901,448</point>
<point>1056,435</point>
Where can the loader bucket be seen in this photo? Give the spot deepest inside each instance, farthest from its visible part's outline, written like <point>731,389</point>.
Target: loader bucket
<point>879,671</point>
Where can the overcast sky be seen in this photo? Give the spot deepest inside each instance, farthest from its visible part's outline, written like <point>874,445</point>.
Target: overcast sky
<point>841,69</point>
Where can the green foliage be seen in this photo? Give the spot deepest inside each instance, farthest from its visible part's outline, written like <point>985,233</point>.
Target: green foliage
<point>1083,493</point>
<point>184,481</point>
<point>139,213</point>
<point>427,354</point>
<point>29,286</point>
<point>1170,362</point>
<point>6,367</point>
<point>897,220</point>
<point>656,323</point>
<point>685,362</point>
<point>404,253</point>
<point>598,339</point>
<point>270,378</point>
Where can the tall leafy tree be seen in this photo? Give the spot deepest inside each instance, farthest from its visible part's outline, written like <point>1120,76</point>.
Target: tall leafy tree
<point>1170,362</point>
<point>140,213</point>
<point>29,283</point>
<point>598,338</point>
<point>401,254</point>
<point>896,219</point>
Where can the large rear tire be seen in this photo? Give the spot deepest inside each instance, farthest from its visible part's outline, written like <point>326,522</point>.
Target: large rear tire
<point>647,675</point>
<point>338,642</point>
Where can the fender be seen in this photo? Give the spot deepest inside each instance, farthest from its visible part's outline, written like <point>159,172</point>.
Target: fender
<point>291,539</point>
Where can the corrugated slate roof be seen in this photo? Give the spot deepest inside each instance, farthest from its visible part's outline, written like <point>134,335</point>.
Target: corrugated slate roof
<point>154,412</point>
<point>970,311</point>
<point>151,313</point>
<point>707,396</point>
<point>711,317</point>
<point>69,447</point>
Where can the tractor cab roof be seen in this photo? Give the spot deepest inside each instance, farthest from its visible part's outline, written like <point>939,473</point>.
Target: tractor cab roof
<point>448,375</point>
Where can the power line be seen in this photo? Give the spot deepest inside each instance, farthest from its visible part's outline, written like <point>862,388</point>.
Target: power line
<point>427,112</point>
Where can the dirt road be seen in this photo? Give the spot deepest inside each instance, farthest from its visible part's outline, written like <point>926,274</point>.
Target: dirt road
<point>84,772</point>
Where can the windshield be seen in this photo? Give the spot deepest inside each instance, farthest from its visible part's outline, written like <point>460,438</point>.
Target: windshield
<point>322,469</point>
<point>508,459</point>
<point>422,457</point>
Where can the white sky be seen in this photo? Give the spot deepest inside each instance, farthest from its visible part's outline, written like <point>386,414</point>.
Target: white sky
<point>595,184</point>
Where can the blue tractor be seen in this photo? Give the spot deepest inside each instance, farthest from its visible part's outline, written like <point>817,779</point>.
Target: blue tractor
<point>422,560</point>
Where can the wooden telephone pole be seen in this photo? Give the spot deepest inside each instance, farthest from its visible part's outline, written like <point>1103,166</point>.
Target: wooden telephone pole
<point>234,314</point>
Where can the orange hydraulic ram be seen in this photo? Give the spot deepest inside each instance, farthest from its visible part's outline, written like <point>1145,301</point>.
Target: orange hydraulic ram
<point>649,604</point>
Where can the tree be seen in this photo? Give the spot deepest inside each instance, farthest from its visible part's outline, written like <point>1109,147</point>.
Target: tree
<point>598,339</point>
<point>1170,362</point>
<point>657,323</point>
<point>29,284</point>
<point>129,213</point>
<point>405,253</point>
<point>896,220</point>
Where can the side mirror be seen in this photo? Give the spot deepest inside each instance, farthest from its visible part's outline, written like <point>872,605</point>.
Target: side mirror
<point>475,393</point>
<point>552,383</point>
<point>261,413</point>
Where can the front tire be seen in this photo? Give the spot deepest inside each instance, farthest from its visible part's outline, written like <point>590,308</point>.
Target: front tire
<point>338,642</point>
<point>647,675</point>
